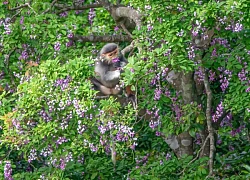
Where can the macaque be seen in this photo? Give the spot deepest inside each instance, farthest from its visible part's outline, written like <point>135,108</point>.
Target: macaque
<point>108,69</point>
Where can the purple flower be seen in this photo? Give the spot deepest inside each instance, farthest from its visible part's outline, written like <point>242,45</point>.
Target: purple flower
<point>248,89</point>
<point>32,155</point>
<point>91,15</point>
<point>8,171</point>
<point>214,53</point>
<point>167,53</point>
<point>181,33</point>
<point>57,46</point>
<point>157,133</point>
<point>191,53</point>
<point>168,156</point>
<point>238,27</point>
<point>24,55</point>
<point>63,14</point>
<point>150,27</point>
<point>70,43</point>
<point>115,60</point>
<point>227,121</point>
<point>61,140</point>
<point>81,127</point>
<point>200,75</point>
<point>218,112</point>
<point>70,35</point>
<point>62,164</point>
<point>116,28</point>
<point>63,83</point>
<point>157,94</point>
<point>21,20</point>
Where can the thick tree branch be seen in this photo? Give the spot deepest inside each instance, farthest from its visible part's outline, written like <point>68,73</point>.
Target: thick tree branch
<point>74,7</point>
<point>126,12</point>
<point>128,48</point>
<point>209,121</point>
<point>105,38</point>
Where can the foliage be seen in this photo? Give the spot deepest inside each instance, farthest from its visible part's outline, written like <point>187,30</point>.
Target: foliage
<point>55,127</point>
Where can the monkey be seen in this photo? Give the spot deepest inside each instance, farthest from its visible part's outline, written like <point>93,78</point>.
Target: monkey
<point>108,68</point>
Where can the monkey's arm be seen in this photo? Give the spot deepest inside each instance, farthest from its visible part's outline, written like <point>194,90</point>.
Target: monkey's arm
<point>123,62</point>
<point>112,75</point>
<point>104,73</point>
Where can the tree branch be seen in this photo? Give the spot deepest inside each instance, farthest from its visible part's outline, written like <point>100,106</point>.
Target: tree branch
<point>126,12</point>
<point>105,38</point>
<point>20,7</point>
<point>74,7</point>
<point>209,121</point>
<point>13,17</point>
<point>7,61</point>
<point>126,30</point>
<point>52,4</point>
<point>128,48</point>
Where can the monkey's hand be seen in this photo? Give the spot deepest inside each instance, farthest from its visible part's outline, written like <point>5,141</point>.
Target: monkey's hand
<point>122,64</point>
<point>112,75</point>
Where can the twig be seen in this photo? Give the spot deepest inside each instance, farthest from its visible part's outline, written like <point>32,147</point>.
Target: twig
<point>126,30</point>
<point>209,121</point>
<point>32,9</point>
<point>15,15</point>
<point>6,155</point>
<point>52,4</point>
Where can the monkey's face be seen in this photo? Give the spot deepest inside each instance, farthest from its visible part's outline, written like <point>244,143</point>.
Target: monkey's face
<point>111,55</point>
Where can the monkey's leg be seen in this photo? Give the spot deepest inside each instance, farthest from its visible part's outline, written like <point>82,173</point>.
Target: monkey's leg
<point>103,89</point>
<point>99,87</point>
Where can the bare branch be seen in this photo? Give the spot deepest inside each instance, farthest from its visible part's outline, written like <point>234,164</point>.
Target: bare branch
<point>105,38</point>
<point>69,8</point>
<point>128,48</point>
<point>15,15</point>
<point>209,121</point>
<point>126,30</point>
<point>32,8</point>
<point>20,7</point>
<point>52,4</point>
